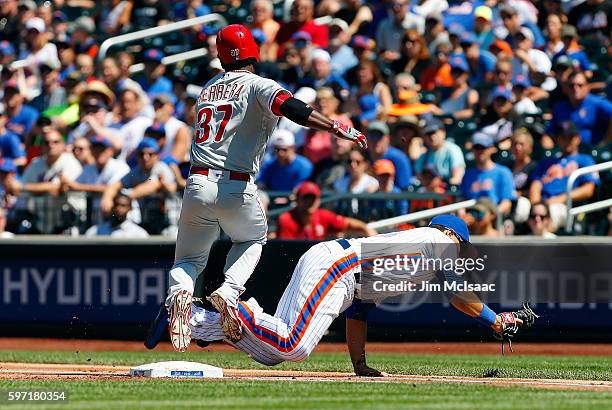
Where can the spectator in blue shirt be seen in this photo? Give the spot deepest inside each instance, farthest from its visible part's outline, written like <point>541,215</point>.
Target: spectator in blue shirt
<point>11,146</point>
<point>380,147</point>
<point>442,158</point>
<point>154,82</point>
<point>572,50</point>
<point>591,114</point>
<point>488,179</point>
<point>287,169</point>
<point>22,116</point>
<point>483,17</point>
<point>481,62</point>
<point>550,178</point>
<point>512,22</point>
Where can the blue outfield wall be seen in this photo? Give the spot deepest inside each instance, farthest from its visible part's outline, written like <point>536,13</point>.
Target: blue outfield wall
<point>113,289</point>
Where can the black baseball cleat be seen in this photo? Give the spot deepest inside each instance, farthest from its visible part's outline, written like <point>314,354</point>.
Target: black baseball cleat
<point>202,343</point>
<point>158,328</point>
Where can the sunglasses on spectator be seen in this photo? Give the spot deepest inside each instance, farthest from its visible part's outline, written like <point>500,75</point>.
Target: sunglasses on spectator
<point>281,149</point>
<point>91,108</point>
<point>143,154</point>
<point>479,147</point>
<point>477,214</point>
<point>51,142</point>
<point>578,85</point>
<point>536,216</point>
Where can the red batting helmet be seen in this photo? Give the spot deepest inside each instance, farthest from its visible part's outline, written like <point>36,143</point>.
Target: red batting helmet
<point>234,43</point>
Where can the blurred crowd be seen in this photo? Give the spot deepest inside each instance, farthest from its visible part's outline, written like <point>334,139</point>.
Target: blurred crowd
<point>494,100</point>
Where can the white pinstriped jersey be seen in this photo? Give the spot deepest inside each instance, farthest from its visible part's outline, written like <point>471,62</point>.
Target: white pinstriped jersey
<point>234,121</point>
<point>420,243</point>
<point>322,286</point>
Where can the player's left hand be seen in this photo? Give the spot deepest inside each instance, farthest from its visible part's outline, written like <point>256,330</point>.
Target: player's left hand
<point>512,322</point>
<point>346,132</point>
<point>362,369</point>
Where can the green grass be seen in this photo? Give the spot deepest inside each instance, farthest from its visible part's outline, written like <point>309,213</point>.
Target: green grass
<point>159,394</point>
<point>549,367</point>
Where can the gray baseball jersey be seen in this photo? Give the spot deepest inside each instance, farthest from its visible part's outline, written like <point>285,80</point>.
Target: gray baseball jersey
<point>234,120</point>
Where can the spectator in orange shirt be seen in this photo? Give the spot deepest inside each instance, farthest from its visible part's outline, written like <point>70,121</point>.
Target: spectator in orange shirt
<point>308,221</point>
<point>261,11</point>
<point>438,74</point>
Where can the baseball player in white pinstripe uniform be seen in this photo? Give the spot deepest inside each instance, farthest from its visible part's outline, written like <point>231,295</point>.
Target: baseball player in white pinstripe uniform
<point>324,285</point>
<point>235,115</point>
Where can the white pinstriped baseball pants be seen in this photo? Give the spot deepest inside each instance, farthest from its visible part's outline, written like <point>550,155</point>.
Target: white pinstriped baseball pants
<point>211,203</point>
<point>322,287</point>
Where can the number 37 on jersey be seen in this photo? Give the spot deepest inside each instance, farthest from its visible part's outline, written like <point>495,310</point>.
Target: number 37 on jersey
<point>212,120</point>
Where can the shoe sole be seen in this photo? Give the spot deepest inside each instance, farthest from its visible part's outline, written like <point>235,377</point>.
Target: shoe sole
<point>180,333</point>
<point>232,327</point>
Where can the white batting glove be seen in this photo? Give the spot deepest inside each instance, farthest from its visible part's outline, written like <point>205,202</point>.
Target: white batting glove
<point>349,133</point>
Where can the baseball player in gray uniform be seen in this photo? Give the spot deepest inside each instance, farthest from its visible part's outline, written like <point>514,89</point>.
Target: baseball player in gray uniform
<point>326,282</point>
<point>236,113</point>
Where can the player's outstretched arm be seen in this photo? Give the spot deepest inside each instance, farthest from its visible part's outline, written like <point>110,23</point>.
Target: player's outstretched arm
<point>303,114</point>
<point>356,335</point>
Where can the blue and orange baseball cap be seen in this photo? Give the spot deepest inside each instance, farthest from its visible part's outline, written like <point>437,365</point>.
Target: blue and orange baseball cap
<point>502,92</point>
<point>156,130</point>
<point>6,48</point>
<point>520,81</point>
<point>459,63</point>
<point>148,143</point>
<point>301,36</point>
<point>153,54</point>
<point>360,41</point>
<point>100,140</point>
<point>454,223</point>
<point>468,37</point>
<point>259,36</point>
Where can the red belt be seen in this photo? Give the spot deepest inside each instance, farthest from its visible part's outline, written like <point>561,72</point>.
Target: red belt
<point>234,175</point>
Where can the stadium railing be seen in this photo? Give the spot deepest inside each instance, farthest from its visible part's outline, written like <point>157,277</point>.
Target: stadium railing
<point>157,31</point>
<point>588,208</point>
<point>173,59</point>
<point>419,215</point>
<point>367,207</point>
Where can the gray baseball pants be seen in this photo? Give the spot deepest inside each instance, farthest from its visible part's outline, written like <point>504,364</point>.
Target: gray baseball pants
<point>210,203</point>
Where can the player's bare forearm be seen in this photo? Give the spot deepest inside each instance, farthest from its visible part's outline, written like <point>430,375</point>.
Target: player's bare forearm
<point>303,114</point>
<point>469,304</point>
<point>356,335</point>
<point>320,122</point>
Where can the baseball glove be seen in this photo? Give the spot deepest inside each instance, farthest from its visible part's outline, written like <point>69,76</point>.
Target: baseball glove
<point>512,322</point>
